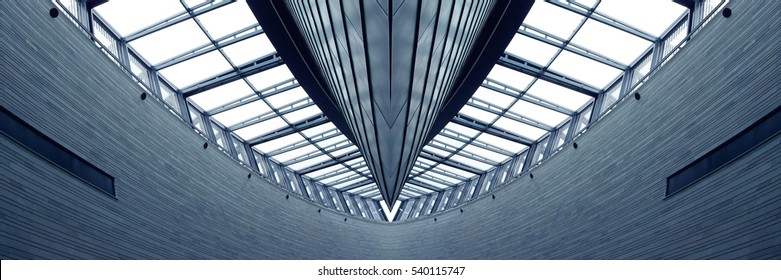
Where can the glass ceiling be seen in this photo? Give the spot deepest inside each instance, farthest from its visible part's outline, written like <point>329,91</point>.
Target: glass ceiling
<point>215,63</point>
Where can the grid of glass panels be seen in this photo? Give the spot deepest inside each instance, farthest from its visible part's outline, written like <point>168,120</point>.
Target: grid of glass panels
<point>189,44</point>
<point>568,64</point>
<point>527,102</point>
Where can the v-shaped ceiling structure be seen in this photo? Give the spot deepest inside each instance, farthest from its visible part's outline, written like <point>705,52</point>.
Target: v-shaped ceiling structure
<point>390,73</point>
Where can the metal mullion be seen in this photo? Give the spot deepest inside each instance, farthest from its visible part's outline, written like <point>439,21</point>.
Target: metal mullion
<point>295,146</point>
<point>290,129</point>
<point>573,126</point>
<point>529,161</point>
<point>483,145</point>
<point>368,210</point>
<point>467,154</point>
<point>338,172</point>
<point>605,19</point>
<point>278,88</point>
<point>358,190</point>
<point>340,198</point>
<point>426,185</point>
<point>314,195</point>
<point>251,160</point>
<point>503,89</point>
<point>485,128</point>
<point>243,71</point>
<point>411,209</point>
<point>314,154</point>
<point>571,47</point>
<point>551,143</point>
<point>447,173</point>
<point>222,42</point>
<point>187,14</point>
<point>420,187</point>
<point>523,66</point>
<point>512,116</point>
<point>448,162</point>
<point>268,116</point>
<point>465,193</point>
<point>370,191</point>
<point>420,190</point>
<point>325,199</point>
<point>453,201</point>
<point>331,162</point>
<point>333,201</point>
<point>348,178</point>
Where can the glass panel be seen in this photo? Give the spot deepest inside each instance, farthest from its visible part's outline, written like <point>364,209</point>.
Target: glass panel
<point>241,152</point>
<point>478,114</point>
<point>539,152</point>
<point>169,97</point>
<point>195,117</point>
<point>510,77</point>
<point>270,77</point>
<point>584,119</point>
<point>260,129</point>
<point>218,135</point>
<point>303,114</point>
<point>124,15</point>
<point>448,141</point>
<point>291,155</point>
<point>196,70</point>
<point>171,42</point>
<point>493,156</point>
<point>452,170</point>
<point>245,112</point>
<point>652,16</point>
<point>538,113</point>
<point>493,98</point>
<point>558,95</point>
<point>610,42</point>
<point>520,129</point>
<point>460,130</point>
<point>249,49</point>
<point>611,97</point>
<point>286,98</point>
<point>279,143</point>
<point>501,143</point>
<point>227,19</point>
<point>531,49</point>
<point>552,19</point>
<point>583,69</point>
<point>222,95</point>
<point>317,130</point>
<point>471,162</point>
<point>430,183</point>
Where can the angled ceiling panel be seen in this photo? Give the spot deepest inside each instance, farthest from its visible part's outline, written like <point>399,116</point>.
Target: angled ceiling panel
<point>392,73</point>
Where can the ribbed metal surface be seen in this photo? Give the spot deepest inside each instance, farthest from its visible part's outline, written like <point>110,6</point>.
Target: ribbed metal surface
<point>390,67</point>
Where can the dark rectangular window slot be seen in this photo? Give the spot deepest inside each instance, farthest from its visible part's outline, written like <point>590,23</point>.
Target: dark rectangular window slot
<point>34,140</point>
<point>743,142</point>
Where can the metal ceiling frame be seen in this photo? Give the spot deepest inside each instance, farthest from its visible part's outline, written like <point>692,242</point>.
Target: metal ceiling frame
<point>430,199</point>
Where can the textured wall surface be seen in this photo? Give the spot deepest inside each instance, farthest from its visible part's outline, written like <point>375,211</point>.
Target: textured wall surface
<point>602,200</point>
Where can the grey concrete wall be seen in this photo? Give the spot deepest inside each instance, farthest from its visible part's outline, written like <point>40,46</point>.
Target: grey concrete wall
<point>602,200</point>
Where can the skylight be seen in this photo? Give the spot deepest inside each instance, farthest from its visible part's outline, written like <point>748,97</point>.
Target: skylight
<point>567,60</point>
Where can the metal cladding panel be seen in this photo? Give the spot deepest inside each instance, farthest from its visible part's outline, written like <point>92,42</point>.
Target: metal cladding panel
<point>390,68</point>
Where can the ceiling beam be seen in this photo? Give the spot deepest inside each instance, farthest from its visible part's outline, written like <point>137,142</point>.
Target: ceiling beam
<point>246,70</point>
